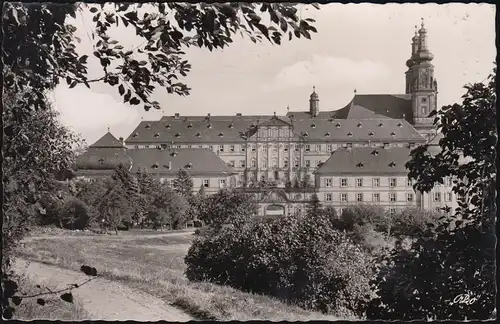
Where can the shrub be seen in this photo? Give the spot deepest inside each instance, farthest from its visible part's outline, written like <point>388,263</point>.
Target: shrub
<point>302,260</point>
<point>75,214</point>
<point>412,222</point>
<point>361,214</point>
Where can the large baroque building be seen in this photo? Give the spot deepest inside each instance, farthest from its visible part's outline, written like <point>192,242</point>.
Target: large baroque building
<point>350,155</point>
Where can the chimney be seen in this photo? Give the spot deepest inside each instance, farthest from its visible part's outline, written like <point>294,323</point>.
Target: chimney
<point>207,117</point>
<point>121,141</point>
<point>237,114</point>
<point>170,165</point>
<point>176,116</point>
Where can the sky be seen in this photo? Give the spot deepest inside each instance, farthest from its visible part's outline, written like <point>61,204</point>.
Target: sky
<point>358,46</point>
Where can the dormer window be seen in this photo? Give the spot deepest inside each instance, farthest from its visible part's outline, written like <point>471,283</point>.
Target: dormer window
<point>349,134</point>
<point>360,165</point>
<point>392,164</point>
<point>209,126</point>
<point>189,165</point>
<point>327,134</point>
<point>305,134</point>
<point>178,135</point>
<point>381,125</point>
<point>393,134</point>
<point>370,134</point>
<point>157,135</point>
<point>337,125</point>
<point>231,126</point>
<point>190,125</point>
<point>174,153</point>
<point>313,125</point>
<point>400,125</point>
<point>360,125</point>
<point>135,135</point>
<point>148,126</point>
<point>156,165</point>
<point>375,152</point>
<point>198,134</point>
<point>100,161</point>
<point>221,134</point>
<point>253,125</point>
<point>168,126</point>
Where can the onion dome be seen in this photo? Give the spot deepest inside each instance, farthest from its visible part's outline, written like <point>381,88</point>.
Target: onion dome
<point>314,95</point>
<point>409,62</point>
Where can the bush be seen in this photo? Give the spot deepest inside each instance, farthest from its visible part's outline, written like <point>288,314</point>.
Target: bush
<point>411,222</point>
<point>302,260</point>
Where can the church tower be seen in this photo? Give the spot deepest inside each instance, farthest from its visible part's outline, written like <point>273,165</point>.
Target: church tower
<point>421,84</point>
<point>314,103</point>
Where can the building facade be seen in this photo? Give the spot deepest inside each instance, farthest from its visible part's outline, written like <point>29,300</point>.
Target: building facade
<point>283,160</point>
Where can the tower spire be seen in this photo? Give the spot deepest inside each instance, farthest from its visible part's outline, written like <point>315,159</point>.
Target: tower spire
<point>314,103</point>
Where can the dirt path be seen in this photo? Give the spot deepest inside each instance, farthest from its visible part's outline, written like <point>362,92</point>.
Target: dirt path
<point>103,299</point>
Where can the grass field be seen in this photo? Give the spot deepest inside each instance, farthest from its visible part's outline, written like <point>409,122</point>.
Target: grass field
<point>156,266</point>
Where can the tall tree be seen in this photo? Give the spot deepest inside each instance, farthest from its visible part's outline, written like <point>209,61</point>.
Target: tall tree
<point>183,184</point>
<point>449,271</point>
<point>313,207</point>
<point>114,206</point>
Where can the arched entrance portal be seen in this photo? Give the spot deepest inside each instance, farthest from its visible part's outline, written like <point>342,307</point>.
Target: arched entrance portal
<point>275,210</point>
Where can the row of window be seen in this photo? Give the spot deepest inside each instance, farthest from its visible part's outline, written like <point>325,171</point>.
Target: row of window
<point>296,147</point>
<point>206,182</point>
<point>359,182</point>
<point>392,211</point>
<point>274,163</point>
<point>360,197</point>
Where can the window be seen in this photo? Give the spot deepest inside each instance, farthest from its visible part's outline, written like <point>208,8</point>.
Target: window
<point>318,148</point>
<point>392,211</point>
<point>211,147</point>
<point>308,148</point>
<point>359,197</point>
<point>328,182</point>
<point>178,146</point>
<point>232,163</point>
<point>264,163</point>
<point>146,146</point>
<point>392,197</point>
<point>222,183</point>
<point>136,146</point>
<point>376,197</point>
<point>221,148</point>
<point>200,146</point>
<point>318,162</point>
<point>285,163</point>
<point>242,163</point>
<point>392,182</point>
<point>424,110</point>
<point>408,182</point>
<point>349,145</point>
<point>409,197</point>
<point>376,182</point>
<point>343,197</point>
<point>242,149</point>
<point>448,196</point>
<point>359,182</point>
<point>343,182</point>
<point>285,149</point>
<point>328,197</point>
<point>231,148</point>
<point>329,148</point>
<point>437,209</point>
<point>308,163</point>
<point>437,196</point>
<point>275,163</point>
<point>206,183</point>
<point>296,163</point>
<point>253,147</point>
<point>296,147</point>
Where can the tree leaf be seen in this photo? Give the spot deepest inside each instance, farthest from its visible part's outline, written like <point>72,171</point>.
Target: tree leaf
<point>121,89</point>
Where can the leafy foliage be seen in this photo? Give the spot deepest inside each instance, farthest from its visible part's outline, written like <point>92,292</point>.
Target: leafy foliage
<point>183,184</point>
<point>301,260</point>
<point>114,206</point>
<point>456,257</point>
<point>227,207</point>
<point>168,207</point>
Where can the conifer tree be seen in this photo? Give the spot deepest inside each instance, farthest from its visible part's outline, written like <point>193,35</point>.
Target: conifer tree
<point>183,185</point>
<point>314,207</point>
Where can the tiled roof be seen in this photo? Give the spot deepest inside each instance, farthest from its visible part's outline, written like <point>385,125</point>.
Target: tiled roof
<point>108,140</point>
<point>378,105</point>
<point>231,129</point>
<point>102,158</point>
<point>366,160</point>
<point>193,160</point>
<point>352,130</point>
<point>154,160</point>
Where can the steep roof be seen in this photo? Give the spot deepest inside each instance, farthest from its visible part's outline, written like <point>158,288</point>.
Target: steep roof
<point>366,160</point>
<point>377,106</point>
<point>102,158</point>
<point>108,140</point>
<point>192,160</point>
<point>352,130</point>
<point>210,130</point>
